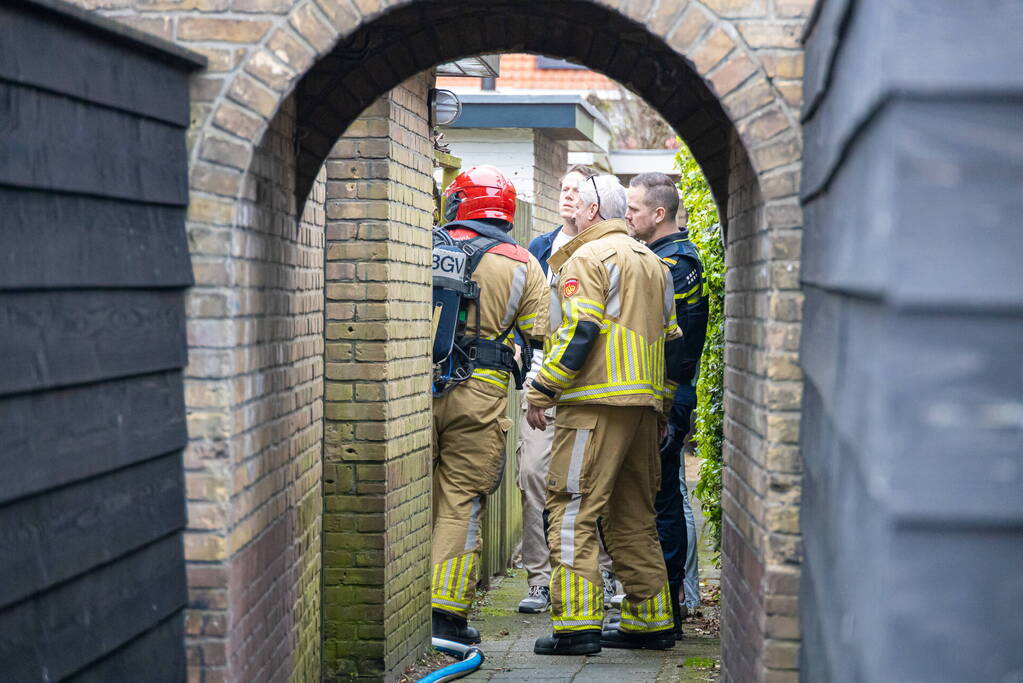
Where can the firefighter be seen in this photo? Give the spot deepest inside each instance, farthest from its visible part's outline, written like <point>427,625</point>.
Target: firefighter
<point>469,416</point>
<point>612,310</point>
<point>653,205</point>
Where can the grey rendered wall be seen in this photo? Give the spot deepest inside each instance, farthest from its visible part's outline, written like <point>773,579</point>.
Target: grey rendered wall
<point>93,265</point>
<point>912,347</point>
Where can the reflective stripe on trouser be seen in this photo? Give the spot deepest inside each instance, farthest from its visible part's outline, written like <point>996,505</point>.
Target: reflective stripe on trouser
<point>652,614</point>
<point>580,602</point>
<point>620,489</point>
<point>453,584</point>
<point>469,428</point>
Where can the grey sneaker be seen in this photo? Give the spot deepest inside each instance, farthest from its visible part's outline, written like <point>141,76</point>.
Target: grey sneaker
<point>609,587</point>
<point>537,600</point>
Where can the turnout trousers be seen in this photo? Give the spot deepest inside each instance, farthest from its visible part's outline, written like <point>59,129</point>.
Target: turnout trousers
<point>605,463</point>
<point>469,432</point>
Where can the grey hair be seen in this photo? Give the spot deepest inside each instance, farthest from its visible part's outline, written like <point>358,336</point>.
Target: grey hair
<point>613,203</point>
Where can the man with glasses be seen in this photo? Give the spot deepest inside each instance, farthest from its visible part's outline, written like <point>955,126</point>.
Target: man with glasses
<point>612,310</point>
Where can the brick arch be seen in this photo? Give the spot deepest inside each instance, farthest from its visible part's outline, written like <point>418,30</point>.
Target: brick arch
<point>692,65</point>
<point>420,35</point>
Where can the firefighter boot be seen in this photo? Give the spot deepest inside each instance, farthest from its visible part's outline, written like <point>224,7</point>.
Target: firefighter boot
<point>577,643</point>
<point>644,640</point>
<point>450,627</point>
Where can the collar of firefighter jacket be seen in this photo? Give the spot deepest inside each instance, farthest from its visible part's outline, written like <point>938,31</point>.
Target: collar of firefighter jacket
<point>594,232</point>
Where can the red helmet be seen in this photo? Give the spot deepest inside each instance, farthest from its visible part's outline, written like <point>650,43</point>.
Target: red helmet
<point>480,192</point>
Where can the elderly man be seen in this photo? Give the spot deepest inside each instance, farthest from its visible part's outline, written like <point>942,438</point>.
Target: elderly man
<point>612,310</point>
<point>535,445</point>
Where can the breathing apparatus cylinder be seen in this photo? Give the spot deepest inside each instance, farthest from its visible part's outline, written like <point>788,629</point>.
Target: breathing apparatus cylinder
<point>449,263</point>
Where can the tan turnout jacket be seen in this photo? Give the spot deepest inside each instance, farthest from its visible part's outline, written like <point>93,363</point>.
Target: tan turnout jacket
<point>611,310</point>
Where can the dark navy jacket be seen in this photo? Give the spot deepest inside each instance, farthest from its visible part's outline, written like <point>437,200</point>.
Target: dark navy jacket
<point>540,247</point>
<point>691,306</point>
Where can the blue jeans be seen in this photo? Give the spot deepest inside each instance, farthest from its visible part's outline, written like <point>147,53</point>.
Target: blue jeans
<point>692,582</point>
<point>669,503</point>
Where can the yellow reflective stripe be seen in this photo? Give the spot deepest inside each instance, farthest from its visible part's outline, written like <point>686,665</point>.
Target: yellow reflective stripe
<point>555,376</point>
<point>592,303</point>
<point>578,604</point>
<point>609,359</point>
<point>620,353</point>
<point>670,261</point>
<point>496,377</point>
<point>565,336</point>
<point>689,293</point>
<point>634,356</point>
<point>525,322</point>
<point>652,614</point>
<point>585,395</point>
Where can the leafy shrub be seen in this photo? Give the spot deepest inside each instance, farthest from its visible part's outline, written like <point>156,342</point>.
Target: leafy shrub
<point>705,232</point>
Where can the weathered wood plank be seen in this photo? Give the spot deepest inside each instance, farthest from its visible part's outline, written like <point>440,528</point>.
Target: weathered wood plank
<point>53,438</point>
<point>62,57</point>
<point>908,49</point>
<point>63,630</point>
<point>51,142</point>
<point>157,656</point>
<point>892,222</point>
<point>65,532</point>
<point>73,241</point>
<point>50,339</point>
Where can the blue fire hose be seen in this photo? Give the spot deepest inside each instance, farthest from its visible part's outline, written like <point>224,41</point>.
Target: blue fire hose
<point>472,659</point>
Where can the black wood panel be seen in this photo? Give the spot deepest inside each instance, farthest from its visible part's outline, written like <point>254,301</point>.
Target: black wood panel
<point>51,142</point>
<point>154,657</point>
<point>78,622</point>
<point>923,47</point>
<point>911,515</point>
<point>74,241</point>
<point>822,34</point>
<point>35,49</point>
<point>93,267</point>
<point>57,535</point>
<point>50,339</point>
<point>53,438</point>
<point>923,194</point>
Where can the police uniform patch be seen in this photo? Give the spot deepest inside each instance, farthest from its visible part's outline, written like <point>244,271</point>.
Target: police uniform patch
<point>570,287</point>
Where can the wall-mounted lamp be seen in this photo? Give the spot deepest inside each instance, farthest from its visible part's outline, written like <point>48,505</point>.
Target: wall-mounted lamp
<point>445,107</point>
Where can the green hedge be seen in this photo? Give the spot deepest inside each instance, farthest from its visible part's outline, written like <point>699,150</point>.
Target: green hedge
<point>705,232</point>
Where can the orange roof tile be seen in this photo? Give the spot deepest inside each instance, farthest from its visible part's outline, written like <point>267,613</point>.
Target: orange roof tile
<point>520,72</point>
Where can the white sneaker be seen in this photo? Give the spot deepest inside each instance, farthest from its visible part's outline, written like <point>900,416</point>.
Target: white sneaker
<point>537,600</point>
<point>609,588</point>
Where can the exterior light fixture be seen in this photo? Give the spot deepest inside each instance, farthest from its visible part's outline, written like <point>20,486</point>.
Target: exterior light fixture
<point>445,107</point>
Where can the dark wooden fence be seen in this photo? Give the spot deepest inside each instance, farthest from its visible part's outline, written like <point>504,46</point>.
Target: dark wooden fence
<point>93,266</point>
<point>912,428</point>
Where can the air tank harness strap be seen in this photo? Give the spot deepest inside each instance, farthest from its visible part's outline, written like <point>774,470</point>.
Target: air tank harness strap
<point>494,354</point>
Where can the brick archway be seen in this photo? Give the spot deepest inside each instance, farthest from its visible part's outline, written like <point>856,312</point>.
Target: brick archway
<point>285,80</point>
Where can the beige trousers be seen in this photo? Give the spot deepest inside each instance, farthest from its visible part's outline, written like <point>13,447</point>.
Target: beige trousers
<point>469,432</point>
<point>534,458</point>
<point>605,463</point>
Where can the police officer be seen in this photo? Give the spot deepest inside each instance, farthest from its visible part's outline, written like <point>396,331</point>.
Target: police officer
<point>612,309</point>
<point>653,204</point>
<point>469,416</point>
